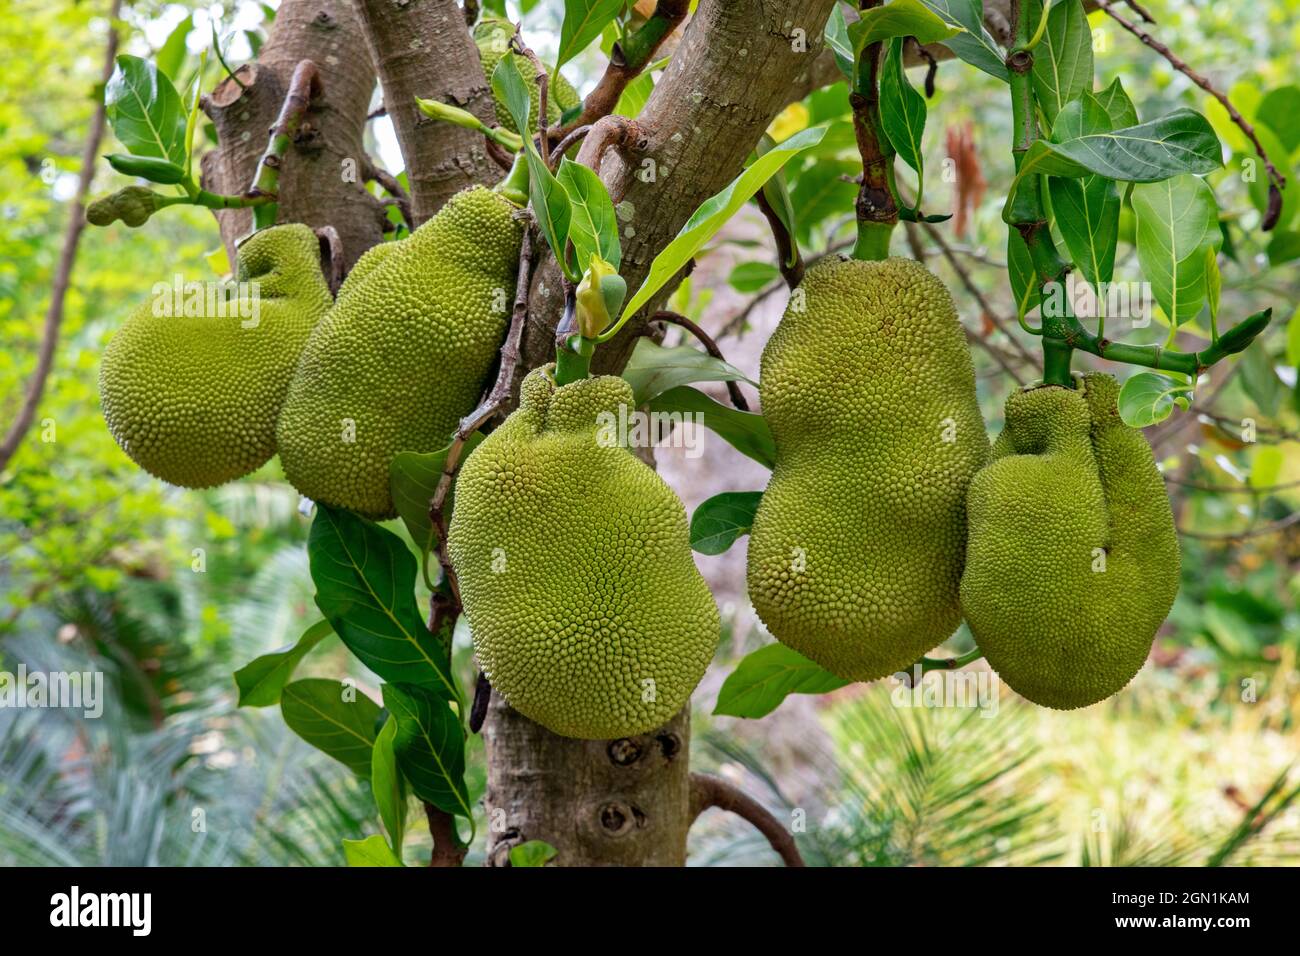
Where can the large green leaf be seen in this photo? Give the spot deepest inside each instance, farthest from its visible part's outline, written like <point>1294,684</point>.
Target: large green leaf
<point>744,431</point>
<point>1118,106</point>
<point>902,113</point>
<point>899,19</point>
<point>1176,221</point>
<point>365,587</point>
<point>823,190</point>
<point>593,229</point>
<point>715,211</point>
<point>720,520</point>
<point>333,718</point>
<point>583,21</point>
<point>768,676</point>
<point>975,45</point>
<point>1148,398</point>
<point>838,42</point>
<point>430,747</point>
<point>1063,58</point>
<point>172,54</point>
<point>372,851</point>
<point>388,785</point>
<point>145,110</point>
<point>413,478</point>
<point>262,679</point>
<point>1025,287</point>
<point>1086,210</point>
<point>654,369</point>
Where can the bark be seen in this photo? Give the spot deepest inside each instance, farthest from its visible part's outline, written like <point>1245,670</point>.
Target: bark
<point>67,258</point>
<point>423,48</point>
<point>322,181</point>
<point>629,801</point>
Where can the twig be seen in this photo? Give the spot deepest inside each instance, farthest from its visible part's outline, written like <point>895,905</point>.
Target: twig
<point>304,87</point>
<point>483,414</point>
<point>377,112</point>
<point>67,257</point>
<point>447,848</point>
<point>627,61</point>
<point>787,249</point>
<point>1140,11</point>
<point>1263,529</point>
<point>737,321</point>
<point>499,154</point>
<point>372,171</point>
<point>1277,182</point>
<point>710,346</point>
<point>709,791</point>
<point>564,144</point>
<point>543,81</point>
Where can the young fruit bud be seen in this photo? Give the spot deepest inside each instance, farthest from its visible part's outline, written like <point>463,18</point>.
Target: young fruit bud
<point>133,205</point>
<point>600,295</point>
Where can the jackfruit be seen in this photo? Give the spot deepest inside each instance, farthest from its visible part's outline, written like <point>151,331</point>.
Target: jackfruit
<point>575,569</point>
<point>192,382</point>
<point>1072,562</point>
<point>492,35</point>
<point>856,550</point>
<point>404,353</point>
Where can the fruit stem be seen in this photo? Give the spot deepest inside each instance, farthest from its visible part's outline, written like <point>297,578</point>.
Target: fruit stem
<point>573,360</point>
<point>515,185</point>
<point>1056,362</point>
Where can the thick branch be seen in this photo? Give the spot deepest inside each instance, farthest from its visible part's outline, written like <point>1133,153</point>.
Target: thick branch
<point>708,791</point>
<point>67,258</point>
<point>425,49</point>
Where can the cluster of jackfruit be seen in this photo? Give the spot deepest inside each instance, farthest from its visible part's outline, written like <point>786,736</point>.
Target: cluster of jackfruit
<point>1072,562</point>
<point>887,518</point>
<point>492,34</point>
<point>404,353</point>
<point>575,568</point>
<point>192,382</point>
<point>855,556</point>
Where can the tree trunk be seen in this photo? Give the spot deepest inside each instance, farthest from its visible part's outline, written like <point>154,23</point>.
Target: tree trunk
<point>322,180</point>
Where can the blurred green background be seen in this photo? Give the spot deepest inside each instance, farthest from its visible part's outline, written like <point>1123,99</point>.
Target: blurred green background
<point>97,559</point>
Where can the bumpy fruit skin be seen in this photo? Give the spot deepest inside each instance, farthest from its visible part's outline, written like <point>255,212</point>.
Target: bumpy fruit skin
<point>575,568</point>
<point>403,354</point>
<point>1069,487</point>
<point>193,398</point>
<point>856,551</point>
<point>493,36</point>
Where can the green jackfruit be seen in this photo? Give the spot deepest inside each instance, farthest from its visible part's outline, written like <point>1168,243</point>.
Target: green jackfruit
<point>575,567</point>
<point>1072,562</point>
<point>192,382</point>
<point>856,550</point>
<point>493,38</point>
<point>404,353</point>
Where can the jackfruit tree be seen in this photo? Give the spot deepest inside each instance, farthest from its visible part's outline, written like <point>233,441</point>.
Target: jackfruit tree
<point>473,351</point>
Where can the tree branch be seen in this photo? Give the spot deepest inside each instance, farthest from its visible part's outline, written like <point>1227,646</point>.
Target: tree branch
<point>67,257</point>
<point>447,848</point>
<point>709,791</point>
<point>710,346</point>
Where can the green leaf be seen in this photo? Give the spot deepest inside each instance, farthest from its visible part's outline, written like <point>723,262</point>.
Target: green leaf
<point>262,679</point>
<point>902,112</point>
<point>1284,247</point>
<point>1259,380</point>
<point>1180,142</point>
<point>822,191</point>
<point>766,677</point>
<point>1177,220</point>
<point>1257,185</point>
<point>635,96</point>
<point>372,851</point>
<point>1266,463</point>
<point>593,229</point>
<point>837,40</point>
<point>1293,339</point>
<point>896,20</point>
<point>334,718</point>
<point>510,88</point>
<point>1147,398</point>
<point>1025,287</point>
<point>583,21</point>
<point>365,587</point>
<point>430,747</point>
<point>413,478</point>
<point>1063,59</point>
<point>715,211</point>
<point>1115,101</point>
<point>749,277</point>
<point>171,56</point>
<point>654,369</point>
<point>388,785</point>
<point>532,853</point>
<point>1086,210</point>
<point>975,45</point>
<point>720,520</point>
<point>145,110</point>
<point>744,431</point>
<point>1280,108</point>
<point>147,167</point>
